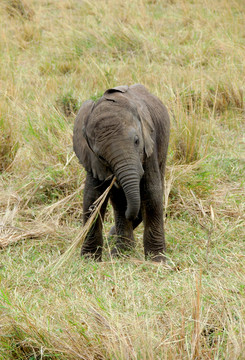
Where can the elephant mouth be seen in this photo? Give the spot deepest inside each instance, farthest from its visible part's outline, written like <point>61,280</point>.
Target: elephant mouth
<point>117,184</point>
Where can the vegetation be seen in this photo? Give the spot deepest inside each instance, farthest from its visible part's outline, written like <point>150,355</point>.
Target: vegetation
<point>53,56</point>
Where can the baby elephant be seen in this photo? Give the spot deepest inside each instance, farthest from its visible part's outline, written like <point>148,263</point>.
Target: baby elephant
<point>124,134</point>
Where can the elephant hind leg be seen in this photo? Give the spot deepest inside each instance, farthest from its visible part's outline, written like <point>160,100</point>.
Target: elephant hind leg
<point>136,222</point>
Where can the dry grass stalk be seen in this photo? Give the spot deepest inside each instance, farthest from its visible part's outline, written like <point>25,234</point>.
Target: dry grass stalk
<point>182,331</point>
<point>210,231</point>
<point>83,233</point>
<point>196,318</point>
<point>206,222</point>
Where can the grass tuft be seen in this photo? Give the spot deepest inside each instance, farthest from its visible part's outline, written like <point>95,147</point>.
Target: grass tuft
<point>68,104</point>
<point>8,146</point>
<point>225,97</point>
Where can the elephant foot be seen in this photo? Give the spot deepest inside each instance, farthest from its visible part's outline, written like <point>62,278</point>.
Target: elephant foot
<point>122,245</point>
<point>115,253</point>
<point>94,255</point>
<point>159,258</point>
<point>112,231</point>
<point>119,253</point>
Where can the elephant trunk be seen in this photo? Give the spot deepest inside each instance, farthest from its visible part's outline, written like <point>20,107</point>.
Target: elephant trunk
<point>129,179</point>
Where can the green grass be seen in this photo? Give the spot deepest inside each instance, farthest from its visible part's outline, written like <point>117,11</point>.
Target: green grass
<point>53,56</point>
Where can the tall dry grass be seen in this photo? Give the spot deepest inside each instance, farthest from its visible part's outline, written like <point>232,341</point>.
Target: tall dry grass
<point>53,56</point>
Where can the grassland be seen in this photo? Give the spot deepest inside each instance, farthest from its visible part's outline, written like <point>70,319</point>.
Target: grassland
<point>53,56</point>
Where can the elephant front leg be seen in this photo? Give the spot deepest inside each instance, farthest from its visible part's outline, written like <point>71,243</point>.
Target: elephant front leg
<point>123,228</point>
<point>93,242</point>
<point>152,211</point>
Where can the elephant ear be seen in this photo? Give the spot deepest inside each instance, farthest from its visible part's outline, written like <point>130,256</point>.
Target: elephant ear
<point>141,97</point>
<point>121,89</point>
<point>147,126</point>
<point>80,145</point>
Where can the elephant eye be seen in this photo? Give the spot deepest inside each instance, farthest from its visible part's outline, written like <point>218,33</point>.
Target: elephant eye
<point>136,140</point>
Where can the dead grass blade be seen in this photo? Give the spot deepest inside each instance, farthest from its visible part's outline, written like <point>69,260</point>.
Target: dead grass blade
<point>196,318</point>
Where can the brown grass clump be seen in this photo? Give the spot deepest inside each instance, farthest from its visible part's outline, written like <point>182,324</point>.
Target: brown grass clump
<point>19,8</point>
<point>8,151</point>
<point>10,235</point>
<point>224,97</point>
<point>9,144</point>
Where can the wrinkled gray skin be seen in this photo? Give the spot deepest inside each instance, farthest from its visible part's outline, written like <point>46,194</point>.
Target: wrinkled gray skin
<point>126,134</point>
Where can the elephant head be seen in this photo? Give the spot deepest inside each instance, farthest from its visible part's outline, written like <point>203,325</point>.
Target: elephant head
<point>113,137</point>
